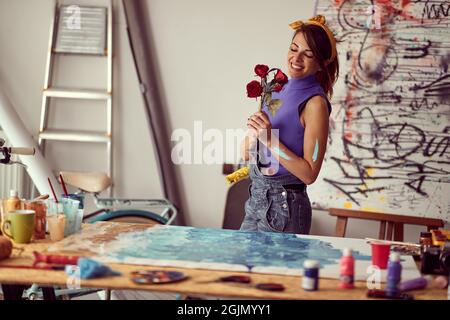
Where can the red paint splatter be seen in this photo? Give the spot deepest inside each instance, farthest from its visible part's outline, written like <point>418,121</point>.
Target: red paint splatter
<point>348,135</point>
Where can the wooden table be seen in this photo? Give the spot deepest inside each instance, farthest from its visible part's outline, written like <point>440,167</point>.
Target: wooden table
<point>192,286</point>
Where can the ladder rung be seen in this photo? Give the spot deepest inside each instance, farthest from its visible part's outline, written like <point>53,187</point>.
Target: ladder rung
<point>71,135</point>
<point>77,93</point>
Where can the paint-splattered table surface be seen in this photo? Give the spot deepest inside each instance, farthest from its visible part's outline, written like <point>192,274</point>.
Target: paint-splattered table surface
<point>198,282</point>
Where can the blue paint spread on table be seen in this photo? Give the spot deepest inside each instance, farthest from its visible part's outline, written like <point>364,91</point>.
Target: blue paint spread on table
<point>250,249</point>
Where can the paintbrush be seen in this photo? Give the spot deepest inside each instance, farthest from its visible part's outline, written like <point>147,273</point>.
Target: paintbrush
<point>37,266</point>
<point>393,242</point>
<point>54,259</point>
<point>41,197</point>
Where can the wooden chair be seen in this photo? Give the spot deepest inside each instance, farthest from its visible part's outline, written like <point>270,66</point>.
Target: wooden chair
<point>234,206</point>
<point>395,223</point>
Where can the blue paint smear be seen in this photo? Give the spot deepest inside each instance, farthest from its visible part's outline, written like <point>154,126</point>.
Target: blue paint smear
<point>281,153</point>
<point>316,151</point>
<point>265,249</point>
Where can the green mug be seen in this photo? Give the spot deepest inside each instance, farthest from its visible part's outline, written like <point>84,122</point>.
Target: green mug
<point>19,225</point>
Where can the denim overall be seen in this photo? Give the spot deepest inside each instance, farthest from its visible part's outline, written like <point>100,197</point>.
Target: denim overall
<point>277,204</point>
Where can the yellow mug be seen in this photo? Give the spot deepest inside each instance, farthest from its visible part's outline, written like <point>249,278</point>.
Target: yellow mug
<point>19,225</point>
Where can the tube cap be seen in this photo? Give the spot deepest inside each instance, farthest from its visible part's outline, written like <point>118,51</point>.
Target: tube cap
<point>13,193</point>
<point>347,252</point>
<point>311,264</point>
<point>394,257</point>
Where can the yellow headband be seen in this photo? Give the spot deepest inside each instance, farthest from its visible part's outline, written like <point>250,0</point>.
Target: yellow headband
<point>319,21</point>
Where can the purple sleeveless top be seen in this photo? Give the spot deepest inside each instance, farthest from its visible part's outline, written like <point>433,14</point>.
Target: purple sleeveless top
<point>287,119</point>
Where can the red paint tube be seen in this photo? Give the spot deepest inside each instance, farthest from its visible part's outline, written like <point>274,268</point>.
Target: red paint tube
<point>55,259</point>
<point>347,270</point>
<point>36,266</point>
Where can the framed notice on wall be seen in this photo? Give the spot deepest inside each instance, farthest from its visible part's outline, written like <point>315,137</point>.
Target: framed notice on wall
<point>81,30</point>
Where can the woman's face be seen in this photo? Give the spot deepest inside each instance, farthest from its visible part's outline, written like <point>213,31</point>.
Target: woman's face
<point>300,59</point>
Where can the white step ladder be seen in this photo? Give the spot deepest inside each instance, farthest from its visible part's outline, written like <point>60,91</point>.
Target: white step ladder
<point>79,30</point>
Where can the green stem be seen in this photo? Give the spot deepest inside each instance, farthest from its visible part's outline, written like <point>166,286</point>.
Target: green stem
<point>261,101</point>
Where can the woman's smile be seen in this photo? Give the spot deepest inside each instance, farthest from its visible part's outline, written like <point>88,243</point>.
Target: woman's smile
<point>296,66</point>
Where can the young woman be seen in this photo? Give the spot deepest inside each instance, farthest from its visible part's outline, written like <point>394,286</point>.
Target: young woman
<point>291,158</point>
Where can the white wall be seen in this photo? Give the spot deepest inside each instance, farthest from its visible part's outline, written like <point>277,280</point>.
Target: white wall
<point>205,50</point>
<point>24,34</point>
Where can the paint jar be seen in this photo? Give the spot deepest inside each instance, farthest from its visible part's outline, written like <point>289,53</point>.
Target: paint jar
<point>56,224</point>
<point>310,280</point>
<point>80,214</point>
<point>55,220</point>
<point>75,196</point>
<point>40,208</point>
<point>347,264</point>
<point>425,241</point>
<point>70,208</point>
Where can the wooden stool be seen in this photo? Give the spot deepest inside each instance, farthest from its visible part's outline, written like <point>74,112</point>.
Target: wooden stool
<point>394,222</point>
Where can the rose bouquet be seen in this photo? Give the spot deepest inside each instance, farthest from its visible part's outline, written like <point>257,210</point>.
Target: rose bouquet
<point>262,89</point>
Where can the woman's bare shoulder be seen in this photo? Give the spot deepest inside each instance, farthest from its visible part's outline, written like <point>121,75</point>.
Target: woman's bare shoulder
<point>317,106</point>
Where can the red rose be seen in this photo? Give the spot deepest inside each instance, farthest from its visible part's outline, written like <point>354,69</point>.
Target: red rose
<point>277,87</point>
<point>254,89</point>
<point>261,70</point>
<point>281,78</point>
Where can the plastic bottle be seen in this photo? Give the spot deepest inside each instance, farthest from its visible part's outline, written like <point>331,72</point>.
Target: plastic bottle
<point>347,270</point>
<point>13,202</point>
<point>394,274</point>
<point>310,281</point>
<point>425,241</point>
<point>10,204</point>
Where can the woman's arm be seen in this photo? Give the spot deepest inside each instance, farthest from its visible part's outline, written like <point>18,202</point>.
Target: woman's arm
<point>315,141</point>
